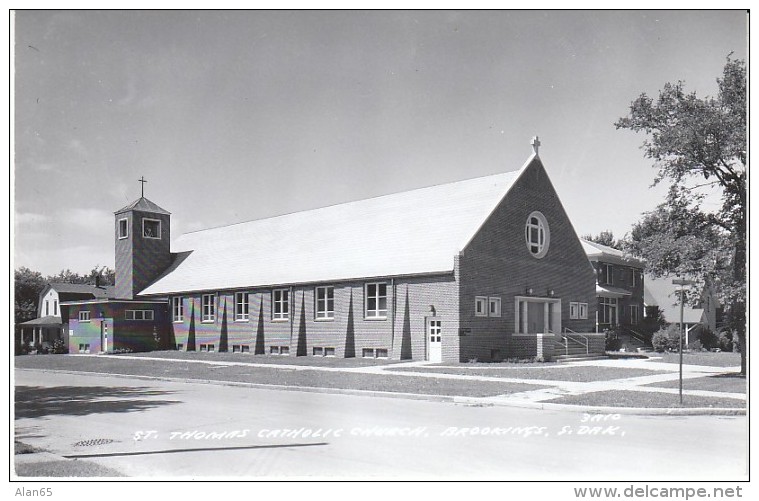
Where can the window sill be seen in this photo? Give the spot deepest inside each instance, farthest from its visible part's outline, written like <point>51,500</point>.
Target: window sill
<point>374,319</point>
<point>324,319</point>
<point>208,321</point>
<point>280,320</point>
<point>242,320</point>
<point>178,321</point>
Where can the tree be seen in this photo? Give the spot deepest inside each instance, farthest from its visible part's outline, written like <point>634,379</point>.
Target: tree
<point>604,238</point>
<point>107,276</point>
<point>27,287</point>
<point>696,142</point>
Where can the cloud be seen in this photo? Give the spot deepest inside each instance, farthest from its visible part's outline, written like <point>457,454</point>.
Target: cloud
<point>30,219</point>
<point>92,219</point>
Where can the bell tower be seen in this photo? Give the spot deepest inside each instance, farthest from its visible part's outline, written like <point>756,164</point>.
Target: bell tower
<point>143,252</point>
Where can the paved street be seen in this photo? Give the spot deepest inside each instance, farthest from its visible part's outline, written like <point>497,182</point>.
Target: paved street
<point>151,428</point>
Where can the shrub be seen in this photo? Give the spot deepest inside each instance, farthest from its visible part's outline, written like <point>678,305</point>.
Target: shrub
<point>726,342</point>
<point>660,341</point>
<point>613,343</point>
<point>22,349</point>
<point>59,346</point>
<point>696,346</point>
<point>708,338</point>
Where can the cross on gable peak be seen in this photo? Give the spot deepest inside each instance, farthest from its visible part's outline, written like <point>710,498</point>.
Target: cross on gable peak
<point>535,144</point>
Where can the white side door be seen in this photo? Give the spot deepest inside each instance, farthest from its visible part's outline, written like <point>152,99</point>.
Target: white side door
<point>434,338</point>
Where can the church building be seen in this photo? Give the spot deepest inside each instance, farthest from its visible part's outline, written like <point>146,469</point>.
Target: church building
<point>481,269</point>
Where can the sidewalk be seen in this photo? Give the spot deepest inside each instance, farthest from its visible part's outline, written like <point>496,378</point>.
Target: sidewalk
<point>557,388</point>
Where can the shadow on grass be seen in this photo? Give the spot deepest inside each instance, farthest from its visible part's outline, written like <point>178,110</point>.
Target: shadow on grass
<point>35,401</point>
<point>735,375</point>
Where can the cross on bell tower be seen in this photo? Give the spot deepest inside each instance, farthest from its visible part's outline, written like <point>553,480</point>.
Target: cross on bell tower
<point>142,182</point>
<point>535,144</point>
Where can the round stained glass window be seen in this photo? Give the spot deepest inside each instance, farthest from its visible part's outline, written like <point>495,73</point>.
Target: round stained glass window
<point>536,234</point>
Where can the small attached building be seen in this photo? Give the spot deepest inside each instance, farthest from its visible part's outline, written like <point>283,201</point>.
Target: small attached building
<point>51,323</point>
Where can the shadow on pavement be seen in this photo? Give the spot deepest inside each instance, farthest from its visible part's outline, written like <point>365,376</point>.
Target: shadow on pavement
<point>195,449</point>
<point>35,401</point>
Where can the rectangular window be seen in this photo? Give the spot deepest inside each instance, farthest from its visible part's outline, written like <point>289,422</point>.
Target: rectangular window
<point>325,302</point>
<point>123,229</point>
<point>381,352</point>
<point>281,304</point>
<point>318,351</point>
<point>47,308</point>
<point>608,311</point>
<point>246,348</point>
<point>574,311</point>
<point>367,353</point>
<point>180,346</point>
<point>284,350</point>
<point>494,307</point>
<point>329,352</point>
<point>376,300</point>
<point>151,228</point>
<point>139,314</point>
<point>84,316</point>
<point>583,307</point>
<point>55,307</point>
<point>634,314</point>
<point>242,306</point>
<point>480,305</point>
<point>177,309</point>
<point>208,308</point>
<point>606,274</point>
<point>274,350</point>
<point>84,348</point>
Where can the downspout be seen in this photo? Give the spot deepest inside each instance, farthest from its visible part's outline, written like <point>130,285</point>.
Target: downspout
<point>392,325</point>
<point>290,313</point>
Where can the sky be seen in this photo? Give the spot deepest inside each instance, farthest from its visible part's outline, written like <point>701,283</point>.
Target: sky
<point>235,116</point>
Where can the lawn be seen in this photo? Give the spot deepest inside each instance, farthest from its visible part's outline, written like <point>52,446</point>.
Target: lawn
<point>648,400</point>
<point>562,373</point>
<point>263,359</point>
<point>273,376</point>
<point>721,359</point>
<point>728,382</point>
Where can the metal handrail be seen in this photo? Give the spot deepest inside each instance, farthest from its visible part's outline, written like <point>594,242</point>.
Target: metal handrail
<point>573,338</point>
<point>635,334</point>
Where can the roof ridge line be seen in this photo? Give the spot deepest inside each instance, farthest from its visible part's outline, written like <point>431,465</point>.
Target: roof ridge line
<point>348,202</point>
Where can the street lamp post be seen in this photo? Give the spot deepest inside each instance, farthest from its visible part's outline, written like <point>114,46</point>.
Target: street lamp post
<point>682,283</point>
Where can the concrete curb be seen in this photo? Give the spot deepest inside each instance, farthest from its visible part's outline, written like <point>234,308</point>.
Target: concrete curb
<point>478,401</point>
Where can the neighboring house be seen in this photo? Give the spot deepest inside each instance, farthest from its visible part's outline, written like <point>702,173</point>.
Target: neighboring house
<point>619,286</point>
<point>51,322</point>
<point>661,293</point>
<point>486,268</point>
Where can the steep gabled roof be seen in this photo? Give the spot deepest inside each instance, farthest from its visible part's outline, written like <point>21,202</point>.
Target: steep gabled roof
<point>604,253</point>
<point>410,233</point>
<point>144,205</point>
<point>663,293</point>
